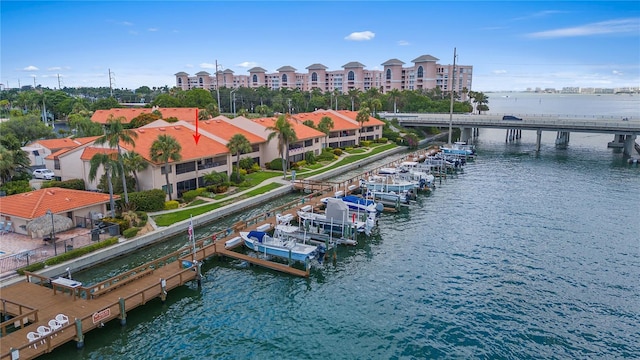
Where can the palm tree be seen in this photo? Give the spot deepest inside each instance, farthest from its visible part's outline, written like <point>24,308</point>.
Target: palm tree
<point>362,117</point>
<point>114,133</point>
<point>164,149</point>
<point>354,94</point>
<point>394,95</point>
<point>325,125</point>
<point>237,145</point>
<point>283,130</point>
<point>109,164</point>
<point>134,162</point>
<point>480,99</point>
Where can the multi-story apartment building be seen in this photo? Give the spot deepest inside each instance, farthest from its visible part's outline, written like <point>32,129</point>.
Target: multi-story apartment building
<point>425,73</point>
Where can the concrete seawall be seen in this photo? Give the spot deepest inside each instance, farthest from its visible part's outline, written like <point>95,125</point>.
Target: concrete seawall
<point>162,233</point>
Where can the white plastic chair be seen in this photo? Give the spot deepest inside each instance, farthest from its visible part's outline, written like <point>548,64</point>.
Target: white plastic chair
<point>33,336</point>
<point>62,319</point>
<point>54,325</point>
<point>43,331</point>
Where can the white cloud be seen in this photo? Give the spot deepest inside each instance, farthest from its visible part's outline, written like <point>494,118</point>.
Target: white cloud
<point>54,68</point>
<point>127,23</point>
<point>616,72</point>
<point>189,65</point>
<point>360,36</point>
<point>31,68</point>
<point>152,29</point>
<point>207,66</point>
<point>539,14</point>
<point>247,64</point>
<point>498,72</point>
<point>403,43</point>
<point>604,27</point>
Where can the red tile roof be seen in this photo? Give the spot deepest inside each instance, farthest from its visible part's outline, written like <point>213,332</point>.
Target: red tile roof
<point>353,114</point>
<point>205,148</point>
<point>101,116</point>
<point>88,152</point>
<point>226,130</point>
<point>303,132</point>
<point>339,122</point>
<point>59,200</point>
<point>63,143</point>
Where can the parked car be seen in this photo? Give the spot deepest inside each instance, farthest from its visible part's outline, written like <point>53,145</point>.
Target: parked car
<point>43,174</point>
<point>511,117</point>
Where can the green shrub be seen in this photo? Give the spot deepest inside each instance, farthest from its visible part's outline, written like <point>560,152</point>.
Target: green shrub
<point>310,157</point>
<point>16,187</point>
<point>366,143</point>
<point>337,152</point>
<point>72,254</point>
<point>255,167</point>
<point>143,217</point>
<point>382,140</point>
<point>150,200</point>
<point>237,178</point>
<point>171,205</point>
<point>276,164</point>
<point>189,196</point>
<point>75,184</point>
<point>326,156</point>
<point>246,163</point>
<point>301,163</point>
<point>131,232</point>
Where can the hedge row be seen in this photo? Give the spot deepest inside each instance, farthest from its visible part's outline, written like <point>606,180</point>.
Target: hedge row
<point>150,200</point>
<point>72,254</point>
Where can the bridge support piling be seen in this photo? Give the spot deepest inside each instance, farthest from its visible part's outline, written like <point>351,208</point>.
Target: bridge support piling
<point>629,144</point>
<point>618,141</point>
<point>538,139</point>
<point>562,138</point>
<point>465,134</point>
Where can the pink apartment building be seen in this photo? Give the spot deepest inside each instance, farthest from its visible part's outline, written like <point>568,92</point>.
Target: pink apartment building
<point>425,73</point>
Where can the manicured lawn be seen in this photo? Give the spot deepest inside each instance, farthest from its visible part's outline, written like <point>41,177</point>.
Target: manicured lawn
<point>256,178</point>
<point>174,217</point>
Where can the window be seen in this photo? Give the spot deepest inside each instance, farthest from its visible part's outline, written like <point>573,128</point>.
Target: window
<point>314,76</point>
<point>351,76</point>
<point>165,169</point>
<point>420,71</point>
<point>200,81</point>
<point>179,81</point>
<point>284,78</point>
<point>308,143</point>
<point>254,78</point>
<point>185,168</point>
<point>388,74</point>
<point>56,164</point>
<point>164,188</point>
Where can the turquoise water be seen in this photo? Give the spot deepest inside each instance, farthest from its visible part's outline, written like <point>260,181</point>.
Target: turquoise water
<point>524,255</point>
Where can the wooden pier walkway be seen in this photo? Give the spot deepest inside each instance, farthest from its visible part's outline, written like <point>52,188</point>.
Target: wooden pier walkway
<point>27,305</point>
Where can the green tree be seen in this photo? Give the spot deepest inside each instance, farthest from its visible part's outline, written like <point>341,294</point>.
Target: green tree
<point>164,149</point>
<point>362,117</point>
<point>238,144</point>
<point>134,162</point>
<point>83,126</point>
<point>109,164</point>
<point>106,104</point>
<point>481,100</point>
<point>285,133</point>
<point>354,94</point>
<point>143,119</point>
<point>394,95</point>
<point>114,134</point>
<point>26,129</point>
<point>309,123</point>
<point>166,101</point>
<point>199,98</point>
<point>325,125</point>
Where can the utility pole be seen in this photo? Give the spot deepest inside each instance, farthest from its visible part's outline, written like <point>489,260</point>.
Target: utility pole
<point>451,87</point>
<point>218,88</point>
<point>59,86</point>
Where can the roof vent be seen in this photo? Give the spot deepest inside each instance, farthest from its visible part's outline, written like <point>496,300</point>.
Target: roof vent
<point>161,129</point>
<point>177,127</point>
<point>141,131</point>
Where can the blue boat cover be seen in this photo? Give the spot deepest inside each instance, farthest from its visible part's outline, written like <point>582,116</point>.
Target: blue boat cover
<point>357,200</point>
<point>257,234</point>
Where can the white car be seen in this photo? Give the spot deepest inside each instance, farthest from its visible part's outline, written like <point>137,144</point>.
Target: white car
<point>43,174</point>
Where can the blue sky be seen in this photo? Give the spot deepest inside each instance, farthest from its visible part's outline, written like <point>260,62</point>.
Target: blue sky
<point>512,45</point>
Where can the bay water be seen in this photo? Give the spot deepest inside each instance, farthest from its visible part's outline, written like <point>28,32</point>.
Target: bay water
<point>523,255</point>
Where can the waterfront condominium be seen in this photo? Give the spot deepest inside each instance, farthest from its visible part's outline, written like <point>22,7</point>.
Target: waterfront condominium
<point>425,73</point>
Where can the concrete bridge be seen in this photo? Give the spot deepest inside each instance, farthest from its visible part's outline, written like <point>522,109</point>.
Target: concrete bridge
<point>624,128</point>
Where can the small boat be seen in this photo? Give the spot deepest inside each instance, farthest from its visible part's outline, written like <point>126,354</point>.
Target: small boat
<point>280,246</point>
<point>358,203</point>
<point>338,219</point>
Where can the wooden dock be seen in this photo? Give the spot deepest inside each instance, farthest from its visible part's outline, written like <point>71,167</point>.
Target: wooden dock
<point>33,303</point>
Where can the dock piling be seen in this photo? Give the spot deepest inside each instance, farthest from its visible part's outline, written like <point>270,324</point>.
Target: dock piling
<point>163,286</point>
<point>80,334</point>
<point>123,312</point>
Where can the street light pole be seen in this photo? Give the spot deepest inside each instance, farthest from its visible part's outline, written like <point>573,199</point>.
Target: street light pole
<point>218,87</point>
<point>451,87</point>
<point>53,233</point>
<point>232,97</point>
